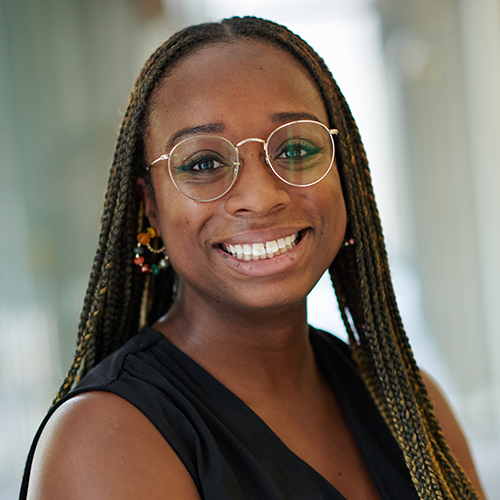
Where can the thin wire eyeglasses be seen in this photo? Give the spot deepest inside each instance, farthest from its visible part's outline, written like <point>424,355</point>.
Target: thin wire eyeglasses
<point>205,167</point>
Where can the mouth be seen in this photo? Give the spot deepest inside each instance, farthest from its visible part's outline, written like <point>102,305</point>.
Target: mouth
<point>263,250</point>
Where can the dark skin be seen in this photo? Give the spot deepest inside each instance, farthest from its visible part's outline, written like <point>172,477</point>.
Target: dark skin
<point>244,322</point>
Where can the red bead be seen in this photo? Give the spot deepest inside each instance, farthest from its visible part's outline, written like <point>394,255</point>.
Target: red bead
<point>145,268</point>
<point>139,261</point>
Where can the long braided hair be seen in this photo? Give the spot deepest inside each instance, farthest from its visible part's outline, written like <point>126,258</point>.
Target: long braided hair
<point>120,298</point>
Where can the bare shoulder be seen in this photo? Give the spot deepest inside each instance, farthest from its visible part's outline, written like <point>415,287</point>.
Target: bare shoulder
<point>99,446</point>
<point>452,431</point>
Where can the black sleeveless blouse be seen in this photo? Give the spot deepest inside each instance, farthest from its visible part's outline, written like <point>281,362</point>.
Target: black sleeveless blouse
<point>229,451</point>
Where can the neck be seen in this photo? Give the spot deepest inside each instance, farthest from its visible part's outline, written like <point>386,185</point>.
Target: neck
<point>267,350</point>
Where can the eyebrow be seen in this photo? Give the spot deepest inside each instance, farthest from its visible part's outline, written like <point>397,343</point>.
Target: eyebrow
<point>207,128</point>
<point>290,117</point>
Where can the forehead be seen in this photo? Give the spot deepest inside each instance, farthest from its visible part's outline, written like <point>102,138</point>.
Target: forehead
<point>245,81</point>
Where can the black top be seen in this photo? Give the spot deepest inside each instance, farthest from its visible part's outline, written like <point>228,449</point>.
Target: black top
<point>228,450</point>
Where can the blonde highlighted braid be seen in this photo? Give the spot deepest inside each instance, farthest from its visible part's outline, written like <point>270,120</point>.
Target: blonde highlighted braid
<point>360,274</point>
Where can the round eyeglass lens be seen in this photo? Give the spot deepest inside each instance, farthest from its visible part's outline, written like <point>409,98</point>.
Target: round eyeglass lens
<point>204,167</point>
<point>301,153</point>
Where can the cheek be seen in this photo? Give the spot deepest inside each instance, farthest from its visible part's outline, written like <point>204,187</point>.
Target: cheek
<point>340,212</point>
<point>336,228</point>
<point>335,215</point>
<point>176,230</point>
<point>181,223</point>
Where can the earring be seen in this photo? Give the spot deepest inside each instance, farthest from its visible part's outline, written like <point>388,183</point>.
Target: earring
<point>143,242</point>
<point>348,243</point>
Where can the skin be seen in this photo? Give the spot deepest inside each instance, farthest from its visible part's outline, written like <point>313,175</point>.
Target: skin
<point>244,322</point>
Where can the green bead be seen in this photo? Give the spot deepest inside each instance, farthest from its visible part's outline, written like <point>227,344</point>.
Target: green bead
<point>154,269</point>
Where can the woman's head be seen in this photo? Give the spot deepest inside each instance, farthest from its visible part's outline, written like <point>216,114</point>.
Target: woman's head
<point>119,297</point>
<point>236,91</point>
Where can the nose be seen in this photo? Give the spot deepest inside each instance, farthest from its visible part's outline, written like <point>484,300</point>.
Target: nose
<point>257,189</point>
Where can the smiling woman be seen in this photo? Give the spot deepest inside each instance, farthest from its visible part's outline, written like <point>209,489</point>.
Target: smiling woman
<point>226,167</point>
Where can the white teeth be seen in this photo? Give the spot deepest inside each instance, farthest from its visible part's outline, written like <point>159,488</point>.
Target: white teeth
<point>266,250</point>
<point>247,252</point>
<point>271,248</point>
<point>259,252</point>
<point>282,245</point>
<point>238,251</point>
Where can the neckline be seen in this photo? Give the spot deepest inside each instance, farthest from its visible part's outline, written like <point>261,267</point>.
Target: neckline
<point>209,380</point>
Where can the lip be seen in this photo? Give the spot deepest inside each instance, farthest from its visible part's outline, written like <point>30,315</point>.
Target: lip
<point>265,266</point>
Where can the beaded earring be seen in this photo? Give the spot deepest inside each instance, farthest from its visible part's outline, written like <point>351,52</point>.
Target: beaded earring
<point>143,243</point>
<point>348,243</point>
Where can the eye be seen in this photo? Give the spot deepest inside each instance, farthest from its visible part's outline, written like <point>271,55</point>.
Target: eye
<point>202,163</point>
<point>206,165</point>
<point>297,150</point>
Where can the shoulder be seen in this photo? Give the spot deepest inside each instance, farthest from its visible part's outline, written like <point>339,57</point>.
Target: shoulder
<point>451,430</point>
<point>99,446</point>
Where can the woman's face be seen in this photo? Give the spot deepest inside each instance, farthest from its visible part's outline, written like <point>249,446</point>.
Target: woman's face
<point>242,90</point>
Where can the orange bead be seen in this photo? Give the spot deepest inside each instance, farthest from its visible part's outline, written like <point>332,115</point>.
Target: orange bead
<point>143,238</point>
<point>151,232</point>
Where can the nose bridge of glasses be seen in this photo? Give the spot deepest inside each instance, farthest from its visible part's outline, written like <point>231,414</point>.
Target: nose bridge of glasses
<point>253,139</point>
<point>250,139</point>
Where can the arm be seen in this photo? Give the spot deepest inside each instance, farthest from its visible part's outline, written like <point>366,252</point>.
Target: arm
<point>452,432</point>
<point>98,446</point>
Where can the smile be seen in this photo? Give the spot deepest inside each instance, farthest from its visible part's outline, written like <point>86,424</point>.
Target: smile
<point>265,250</point>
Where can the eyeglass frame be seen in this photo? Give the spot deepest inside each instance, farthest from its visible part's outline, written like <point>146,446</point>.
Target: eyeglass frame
<point>166,156</point>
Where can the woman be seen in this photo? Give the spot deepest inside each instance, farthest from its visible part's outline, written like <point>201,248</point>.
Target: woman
<point>239,162</point>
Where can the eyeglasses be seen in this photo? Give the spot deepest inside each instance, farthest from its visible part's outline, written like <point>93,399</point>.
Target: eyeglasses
<point>205,167</point>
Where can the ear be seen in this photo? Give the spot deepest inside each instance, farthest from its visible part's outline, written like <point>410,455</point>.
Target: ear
<point>150,208</point>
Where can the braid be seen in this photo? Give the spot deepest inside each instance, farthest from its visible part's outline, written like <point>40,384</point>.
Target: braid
<point>118,291</point>
<point>380,345</point>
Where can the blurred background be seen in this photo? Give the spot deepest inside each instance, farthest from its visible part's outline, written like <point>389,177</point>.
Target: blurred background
<point>422,79</point>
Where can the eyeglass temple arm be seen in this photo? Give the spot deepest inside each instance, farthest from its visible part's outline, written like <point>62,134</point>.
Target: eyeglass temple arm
<point>161,158</point>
